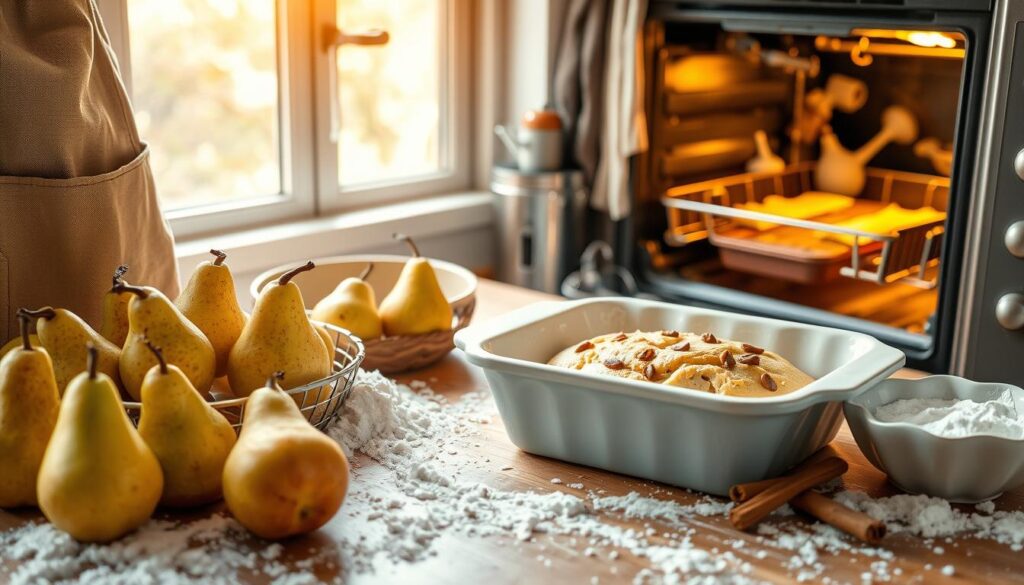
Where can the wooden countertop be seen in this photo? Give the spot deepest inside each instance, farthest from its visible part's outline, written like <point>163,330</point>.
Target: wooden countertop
<point>463,559</point>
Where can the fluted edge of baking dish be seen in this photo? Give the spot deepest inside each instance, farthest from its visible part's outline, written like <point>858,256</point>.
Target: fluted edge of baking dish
<point>875,362</point>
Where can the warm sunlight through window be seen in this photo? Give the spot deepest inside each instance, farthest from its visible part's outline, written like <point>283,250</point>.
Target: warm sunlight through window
<point>390,103</point>
<point>205,93</point>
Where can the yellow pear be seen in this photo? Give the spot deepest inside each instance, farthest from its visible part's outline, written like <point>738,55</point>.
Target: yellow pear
<point>99,480</point>
<point>416,304</point>
<point>283,477</point>
<point>352,305</point>
<point>188,436</point>
<point>114,322</point>
<point>151,316</point>
<point>28,411</point>
<point>278,337</point>
<point>209,302</point>
<point>328,340</point>
<point>17,342</point>
<point>65,336</point>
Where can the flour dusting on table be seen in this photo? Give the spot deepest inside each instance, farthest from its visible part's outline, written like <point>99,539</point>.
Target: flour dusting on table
<point>429,486</point>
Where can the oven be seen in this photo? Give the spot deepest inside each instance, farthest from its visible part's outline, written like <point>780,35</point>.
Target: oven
<point>849,163</point>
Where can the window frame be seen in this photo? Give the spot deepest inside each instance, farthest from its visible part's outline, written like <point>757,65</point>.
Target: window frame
<point>308,157</point>
<point>455,118</point>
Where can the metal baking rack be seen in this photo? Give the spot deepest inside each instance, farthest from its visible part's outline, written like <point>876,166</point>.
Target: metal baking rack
<point>706,210</point>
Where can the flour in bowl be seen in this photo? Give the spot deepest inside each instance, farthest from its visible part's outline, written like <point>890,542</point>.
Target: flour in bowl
<point>957,418</point>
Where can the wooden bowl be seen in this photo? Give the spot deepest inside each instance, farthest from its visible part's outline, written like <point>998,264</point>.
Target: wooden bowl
<point>390,355</point>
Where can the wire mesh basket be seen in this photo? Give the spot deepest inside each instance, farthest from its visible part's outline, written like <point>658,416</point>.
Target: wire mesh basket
<point>320,401</point>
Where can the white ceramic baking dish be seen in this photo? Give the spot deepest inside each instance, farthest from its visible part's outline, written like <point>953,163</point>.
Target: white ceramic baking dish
<point>682,437</point>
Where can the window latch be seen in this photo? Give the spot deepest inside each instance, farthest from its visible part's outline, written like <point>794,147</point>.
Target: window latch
<point>334,38</point>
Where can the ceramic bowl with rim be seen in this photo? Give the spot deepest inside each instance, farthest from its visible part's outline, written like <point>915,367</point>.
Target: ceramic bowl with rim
<point>390,355</point>
<point>962,469</point>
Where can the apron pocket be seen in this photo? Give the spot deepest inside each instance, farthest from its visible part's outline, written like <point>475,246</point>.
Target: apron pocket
<point>63,238</point>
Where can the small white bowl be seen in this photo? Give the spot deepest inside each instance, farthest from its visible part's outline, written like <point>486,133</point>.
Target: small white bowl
<point>963,469</point>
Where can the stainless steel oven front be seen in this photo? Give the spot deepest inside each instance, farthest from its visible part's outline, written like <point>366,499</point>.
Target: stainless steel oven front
<point>844,163</point>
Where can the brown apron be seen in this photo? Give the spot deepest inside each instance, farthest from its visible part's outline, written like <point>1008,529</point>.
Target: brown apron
<point>76,192</point>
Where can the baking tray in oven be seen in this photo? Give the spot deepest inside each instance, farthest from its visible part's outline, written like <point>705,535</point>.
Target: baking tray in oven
<point>795,250</point>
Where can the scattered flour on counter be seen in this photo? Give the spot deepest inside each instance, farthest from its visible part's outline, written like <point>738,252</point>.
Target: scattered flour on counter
<point>935,518</point>
<point>413,432</point>
<point>958,418</point>
<point>211,550</point>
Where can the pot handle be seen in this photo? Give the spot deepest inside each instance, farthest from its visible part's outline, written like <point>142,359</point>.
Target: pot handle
<point>507,139</point>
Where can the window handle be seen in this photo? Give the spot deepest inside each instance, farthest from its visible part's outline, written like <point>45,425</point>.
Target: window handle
<point>334,38</point>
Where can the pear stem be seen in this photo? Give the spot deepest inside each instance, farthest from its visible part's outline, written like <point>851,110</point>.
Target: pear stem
<point>366,271</point>
<point>159,356</point>
<point>287,276</point>
<point>411,244</point>
<point>92,360</point>
<point>220,257</point>
<point>135,290</point>
<point>44,313</point>
<point>273,378</point>
<point>119,273</point>
<point>23,321</point>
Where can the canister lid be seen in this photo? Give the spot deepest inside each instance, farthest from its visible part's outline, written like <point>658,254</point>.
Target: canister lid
<point>541,120</point>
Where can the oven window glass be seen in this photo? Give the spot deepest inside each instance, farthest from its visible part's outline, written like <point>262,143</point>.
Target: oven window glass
<point>803,176</point>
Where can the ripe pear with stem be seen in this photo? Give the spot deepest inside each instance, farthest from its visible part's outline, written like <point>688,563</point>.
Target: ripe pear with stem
<point>353,306</point>
<point>283,477</point>
<point>209,301</point>
<point>278,337</point>
<point>65,336</point>
<point>416,304</point>
<point>189,437</point>
<point>16,342</point>
<point>151,316</point>
<point>99,480</point>
<point>114,322</point>
<point>28,412</point>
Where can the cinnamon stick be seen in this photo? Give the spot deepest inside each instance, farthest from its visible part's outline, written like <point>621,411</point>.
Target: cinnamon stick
<point>835,514</point>
<point>758,507</point>
<point>742,492</point>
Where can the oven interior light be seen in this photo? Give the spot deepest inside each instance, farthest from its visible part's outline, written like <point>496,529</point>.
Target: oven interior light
<point>930,39</point>
<point>921,38</point>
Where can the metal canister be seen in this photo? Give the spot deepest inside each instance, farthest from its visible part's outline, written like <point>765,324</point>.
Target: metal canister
<point>540,225</point>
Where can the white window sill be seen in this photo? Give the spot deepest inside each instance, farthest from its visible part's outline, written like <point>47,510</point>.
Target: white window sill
<point>262,248</point>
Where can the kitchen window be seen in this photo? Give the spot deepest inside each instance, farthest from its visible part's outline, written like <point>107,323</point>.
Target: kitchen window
<point>263,111</point>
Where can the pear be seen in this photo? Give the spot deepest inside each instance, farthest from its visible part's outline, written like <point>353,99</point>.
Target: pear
<point>65,336</point>
<point>114,322</point>
<point>99,480</point>
<point>416,304</point>
<point>188,436</point>
<point>151,316</point>
<point>326,337</point>
<point>28,411</point>
<point>17,342</point>
<point>352,305</point>
<point>283,477</point>
<point>278,336</point>
<point>209,302</point>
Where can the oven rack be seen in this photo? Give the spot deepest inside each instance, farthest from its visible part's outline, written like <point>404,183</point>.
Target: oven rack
<point>705,211</point>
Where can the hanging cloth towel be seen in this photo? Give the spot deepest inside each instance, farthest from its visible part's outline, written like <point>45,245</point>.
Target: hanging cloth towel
<point>76,192</point>
<point>598,90</point>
